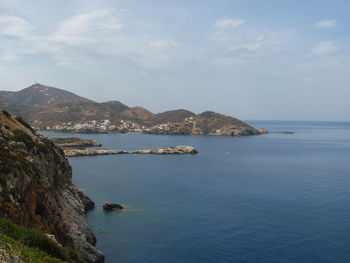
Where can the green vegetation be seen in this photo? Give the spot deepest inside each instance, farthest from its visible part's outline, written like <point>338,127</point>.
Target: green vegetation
<point>21,136</point>
<point>32,246</point>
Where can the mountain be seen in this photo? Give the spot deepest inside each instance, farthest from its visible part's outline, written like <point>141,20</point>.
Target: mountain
<point>38,94</point>
<point>50,108</point>
<point>37,190</point>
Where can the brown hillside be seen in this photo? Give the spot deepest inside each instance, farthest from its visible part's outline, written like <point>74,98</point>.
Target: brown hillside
<point>137,113</point>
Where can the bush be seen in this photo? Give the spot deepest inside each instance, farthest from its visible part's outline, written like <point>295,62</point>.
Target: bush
<point>34,239</point>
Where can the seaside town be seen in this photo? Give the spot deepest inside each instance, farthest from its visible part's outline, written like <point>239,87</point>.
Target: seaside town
<point>118,126</point>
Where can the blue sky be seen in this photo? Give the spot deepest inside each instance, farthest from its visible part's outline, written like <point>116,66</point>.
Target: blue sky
<point>253,59</point>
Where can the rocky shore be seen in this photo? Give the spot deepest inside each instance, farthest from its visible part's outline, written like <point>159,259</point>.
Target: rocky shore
<point>182,149</point>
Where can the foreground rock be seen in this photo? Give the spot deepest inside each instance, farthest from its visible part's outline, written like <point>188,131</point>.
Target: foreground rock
<point>36,188</point>
<point>8,258</point>
<point>110,207</point>
<point>75,142</point>
<point>182,149</point>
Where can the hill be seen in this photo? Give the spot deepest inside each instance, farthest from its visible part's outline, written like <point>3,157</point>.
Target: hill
<point>38,94</point>
<point>171,116</point>
<point>206,123</point>
<point>137,113</point>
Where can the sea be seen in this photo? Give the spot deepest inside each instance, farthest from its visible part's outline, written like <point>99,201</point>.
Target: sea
<point>258,199</point>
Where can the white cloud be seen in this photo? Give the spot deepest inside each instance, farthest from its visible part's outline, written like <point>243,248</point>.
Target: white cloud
<point>228,22</point>
<point>324,48</point>
<point>326,24</point>
<point>87,27</point>
<point>15,26</point>
<point>85,41</point>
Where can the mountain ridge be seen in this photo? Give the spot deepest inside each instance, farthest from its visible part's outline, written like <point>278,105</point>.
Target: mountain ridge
<point>62,110</point>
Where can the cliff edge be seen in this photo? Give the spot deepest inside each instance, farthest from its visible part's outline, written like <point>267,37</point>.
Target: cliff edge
<point>36,188</point>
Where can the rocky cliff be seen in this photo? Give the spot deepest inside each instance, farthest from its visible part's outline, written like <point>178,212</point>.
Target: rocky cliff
<point>36,188</point>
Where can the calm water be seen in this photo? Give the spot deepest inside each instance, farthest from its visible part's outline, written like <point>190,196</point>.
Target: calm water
<point>269,198</point>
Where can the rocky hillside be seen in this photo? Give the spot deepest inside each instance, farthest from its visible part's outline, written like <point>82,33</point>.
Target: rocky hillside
<point>137,113</point>
<point>206,123</point>
<point>38,94</point>
<point>36,188</point>
<point>171,116</point>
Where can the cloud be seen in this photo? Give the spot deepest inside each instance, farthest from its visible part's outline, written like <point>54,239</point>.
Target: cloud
<point>250,45</point>
<point>324,48</point>
<point>326,24</point>
<point>85,41</point>
<point>228,22</point>
<point>15,26</point>
<point>87,27</point>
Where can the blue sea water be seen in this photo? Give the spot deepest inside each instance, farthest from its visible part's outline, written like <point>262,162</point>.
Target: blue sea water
<point>268,198</point>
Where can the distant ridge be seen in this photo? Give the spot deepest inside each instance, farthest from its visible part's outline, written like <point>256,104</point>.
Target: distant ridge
<point>51,108</point>
<point>39,94</point>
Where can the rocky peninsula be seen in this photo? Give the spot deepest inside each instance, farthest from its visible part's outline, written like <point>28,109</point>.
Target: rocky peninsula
<point>182,149</point>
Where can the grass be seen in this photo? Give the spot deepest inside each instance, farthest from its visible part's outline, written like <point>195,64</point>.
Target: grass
<point>32,246</point>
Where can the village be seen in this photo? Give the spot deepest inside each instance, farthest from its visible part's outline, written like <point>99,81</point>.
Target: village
<point>108,126</point>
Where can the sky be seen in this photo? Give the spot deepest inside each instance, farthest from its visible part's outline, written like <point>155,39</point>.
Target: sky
<point>252,59</point>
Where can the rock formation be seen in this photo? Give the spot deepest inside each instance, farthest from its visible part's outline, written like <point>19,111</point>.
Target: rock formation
<point>110,207</point>
<point>9,258</point>
<point>36,188</point>
<point>75,142</point>
<point>182,149</point>
<point>72,152</point>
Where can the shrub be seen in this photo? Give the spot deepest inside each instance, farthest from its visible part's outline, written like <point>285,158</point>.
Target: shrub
<point>34,239</point>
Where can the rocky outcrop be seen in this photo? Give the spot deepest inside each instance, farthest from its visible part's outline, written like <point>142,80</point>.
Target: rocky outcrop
<point>72,152</point>
<point>75,142</point>
<point>182,149</point>
<point>110,207</point>
<point>9,258</point>
<point>36,188</point>
<point>263,131</point>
